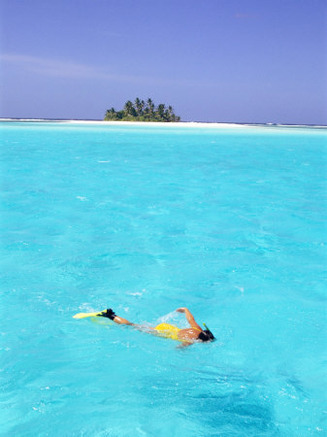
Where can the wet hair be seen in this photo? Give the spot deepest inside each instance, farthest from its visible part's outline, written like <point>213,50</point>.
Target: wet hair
<point>206,335</point>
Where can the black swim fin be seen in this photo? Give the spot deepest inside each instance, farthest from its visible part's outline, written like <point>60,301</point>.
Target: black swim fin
<point>107,313</point>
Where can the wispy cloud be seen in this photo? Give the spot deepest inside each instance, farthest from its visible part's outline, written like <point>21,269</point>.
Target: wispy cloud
<point>60,68</point>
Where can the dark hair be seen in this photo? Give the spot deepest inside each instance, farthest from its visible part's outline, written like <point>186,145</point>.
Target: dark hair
<point>206,335</point>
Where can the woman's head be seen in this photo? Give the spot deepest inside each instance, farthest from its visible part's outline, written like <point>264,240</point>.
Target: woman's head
<point>206,334</point>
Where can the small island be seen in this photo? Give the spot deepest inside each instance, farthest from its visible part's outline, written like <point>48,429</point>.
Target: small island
<point>142,111</point>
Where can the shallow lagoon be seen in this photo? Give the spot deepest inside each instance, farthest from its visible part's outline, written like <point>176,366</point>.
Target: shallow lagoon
<point>228,222</point>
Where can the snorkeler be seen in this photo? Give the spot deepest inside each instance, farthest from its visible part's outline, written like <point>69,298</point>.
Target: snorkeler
<point>187,336</point>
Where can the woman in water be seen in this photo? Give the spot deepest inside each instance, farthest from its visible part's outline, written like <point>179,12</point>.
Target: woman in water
<point>187,336</point>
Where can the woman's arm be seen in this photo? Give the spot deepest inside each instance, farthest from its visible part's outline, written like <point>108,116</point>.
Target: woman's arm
<point>189,317</point>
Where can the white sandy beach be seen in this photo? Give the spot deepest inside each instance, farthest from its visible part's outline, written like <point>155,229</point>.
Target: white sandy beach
<point>133,123</point>
<point>182,124</point>
<point>162,124</point>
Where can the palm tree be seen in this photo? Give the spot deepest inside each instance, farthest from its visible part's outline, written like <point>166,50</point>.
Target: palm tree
<point>110,114</point>
<point>161,110</point>
<point>129,108</point>
<point>142,105</point>
<point>142,111</point>
<point>138,106</point>
<point>150,106</point>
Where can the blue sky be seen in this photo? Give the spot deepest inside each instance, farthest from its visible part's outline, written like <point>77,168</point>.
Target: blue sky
<point>212,60</point>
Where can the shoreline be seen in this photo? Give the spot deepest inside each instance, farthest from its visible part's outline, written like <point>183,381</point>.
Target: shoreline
<point>219,125</point>
<point>127,123</point>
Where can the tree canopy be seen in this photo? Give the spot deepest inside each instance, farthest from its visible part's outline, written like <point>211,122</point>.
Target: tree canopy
<point>142,111</point>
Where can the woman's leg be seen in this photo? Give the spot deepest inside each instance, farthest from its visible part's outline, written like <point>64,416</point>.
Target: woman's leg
<point>121,321</point>
<point>109,313</point>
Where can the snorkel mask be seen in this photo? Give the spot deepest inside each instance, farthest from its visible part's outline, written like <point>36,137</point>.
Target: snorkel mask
<point>206,335</point>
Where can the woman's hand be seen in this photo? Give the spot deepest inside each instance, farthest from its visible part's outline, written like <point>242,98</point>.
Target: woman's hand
<point>181,310</point>
<point>189,317</point>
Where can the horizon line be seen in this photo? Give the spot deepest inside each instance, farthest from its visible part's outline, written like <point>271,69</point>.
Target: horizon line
<point>101,121</point>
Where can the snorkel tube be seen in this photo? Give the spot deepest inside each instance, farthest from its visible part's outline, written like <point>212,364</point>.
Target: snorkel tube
<point>208,332</point>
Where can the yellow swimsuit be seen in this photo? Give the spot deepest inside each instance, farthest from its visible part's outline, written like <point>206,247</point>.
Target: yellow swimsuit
<point>168,331</point>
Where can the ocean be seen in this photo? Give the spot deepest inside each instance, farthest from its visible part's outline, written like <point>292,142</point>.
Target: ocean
<point>228,222</point>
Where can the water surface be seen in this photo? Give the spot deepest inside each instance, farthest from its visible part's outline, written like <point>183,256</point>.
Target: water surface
<point>228,222</point>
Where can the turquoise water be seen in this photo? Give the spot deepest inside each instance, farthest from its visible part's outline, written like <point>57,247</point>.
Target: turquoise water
<point>228,222</point>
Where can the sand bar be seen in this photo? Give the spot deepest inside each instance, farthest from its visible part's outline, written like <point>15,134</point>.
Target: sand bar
<point>131,123</point>
<point>183,124</point>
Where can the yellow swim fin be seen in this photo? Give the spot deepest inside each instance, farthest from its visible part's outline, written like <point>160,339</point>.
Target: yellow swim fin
<point>84,315</point>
